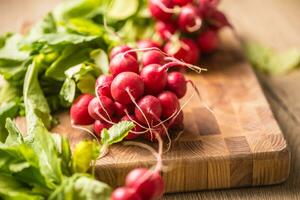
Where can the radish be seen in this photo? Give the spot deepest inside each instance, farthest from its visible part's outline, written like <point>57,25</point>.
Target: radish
<point>182,2</point>
<point>152,57</point>
<point>161,9</point>
<point>79,110</point>
<point>148,184</point>
<point>147,44</point>
<point>131,135</point>
<point>99,126</point>
<point>154,77</point>
<point>148,111</point>
<point>169,103</point>
<point>120,109</point>
<point>176,122</point>
<point>121,49</point>
<point>188,19</point>
<point>217,20</point>
<point>123,63</point>
<point>160,129</point>
<point>188,51</point>
<point>208,41</point>
<point>102,108</point>
<point>125,193</point>
<point>103,83</point>
<point>126,84</point>
<point>165,30</point>
<point>177,84</point>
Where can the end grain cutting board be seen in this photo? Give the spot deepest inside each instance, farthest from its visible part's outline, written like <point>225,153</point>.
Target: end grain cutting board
<point>236,143</point>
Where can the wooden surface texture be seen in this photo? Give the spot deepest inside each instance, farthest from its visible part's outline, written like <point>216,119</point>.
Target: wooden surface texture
<point>275,22</point>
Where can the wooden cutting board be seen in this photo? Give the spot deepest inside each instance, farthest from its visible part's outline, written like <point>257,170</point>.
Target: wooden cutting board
<point>234,143</point>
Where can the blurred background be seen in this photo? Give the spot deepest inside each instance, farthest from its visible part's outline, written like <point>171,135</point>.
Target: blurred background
<point>275,23</point>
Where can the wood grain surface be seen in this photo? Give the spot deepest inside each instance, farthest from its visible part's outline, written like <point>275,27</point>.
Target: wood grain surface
<point>276,23</point>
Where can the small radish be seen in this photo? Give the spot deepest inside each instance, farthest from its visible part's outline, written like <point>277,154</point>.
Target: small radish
<point>137,128</point>
<point>188,51</point>
<point>124,84</point>
<point>154,77</point>
<point>160,9</point>
<point>123,63</point>
<point>103,83</point>
<point>121,49</point>
<point>147,44</point>
<point>208,41</point>
<point>148,184</point>
<point>101,108</point>
<point>217,20</point>
<point>152,57</point>
<point>182,2</point>
<point>169,103</point>
<point>99,126</point>
<point>165,30</point>
<point>188,19</point>
<point>148,111</point>
<point>177,84</point>
<point>176,122</point>
<point>79,110</point>
<point>125,193</point>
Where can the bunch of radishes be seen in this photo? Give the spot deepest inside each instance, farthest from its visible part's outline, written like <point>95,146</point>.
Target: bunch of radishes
<point>138,89</point>
<point>188,27</point>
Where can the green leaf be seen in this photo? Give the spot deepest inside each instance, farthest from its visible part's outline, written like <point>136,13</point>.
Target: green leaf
<point>84,153</point>
<point>8,93</point>
<point>120,9</point>
<point>67,92</point>
<point>86,84</point>
<point>71,56</point>
<point>34,99</point>
<point>77,8</point>
<point>81,187</point>
<point>12,189</point>
<point>101,60</point>
<point>269,61</point>
<point>116,133</point>
<point>9,110</point>
<point>14,136</point>
<point>85,27</point>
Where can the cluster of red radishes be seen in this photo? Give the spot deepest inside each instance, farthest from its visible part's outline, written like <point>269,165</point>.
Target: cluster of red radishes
<point>188,27</point>
<point>139,90</point>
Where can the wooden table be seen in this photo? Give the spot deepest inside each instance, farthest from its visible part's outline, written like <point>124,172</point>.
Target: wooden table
<point>274,22</point>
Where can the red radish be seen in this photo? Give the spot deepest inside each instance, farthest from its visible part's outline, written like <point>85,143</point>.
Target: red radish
<point>99,126</point>
<point>103,106</point>
<point>123,63</point>
<point>79,110</point>
<point>177,84</point>
<point>137,128</point>
<point>124,83</point>
<point>182,2</point>
<point>147,44</point>
<point>103,83</point>
<point>121,49</point>
<point>188,19</point>
<point>158,9</point>
<point>208,41</point>
<point>188,52</point>
<point>176,122</point>
<point>154,77</point>
<point>161,130</point>
<point>217,19</point>
<point>169,103</point>
<point>125,193</point>
<point>152,57</point>
<point>149,110</point>
<point>120,109</point>
<point>148,184</point>
<point>165,30</point>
